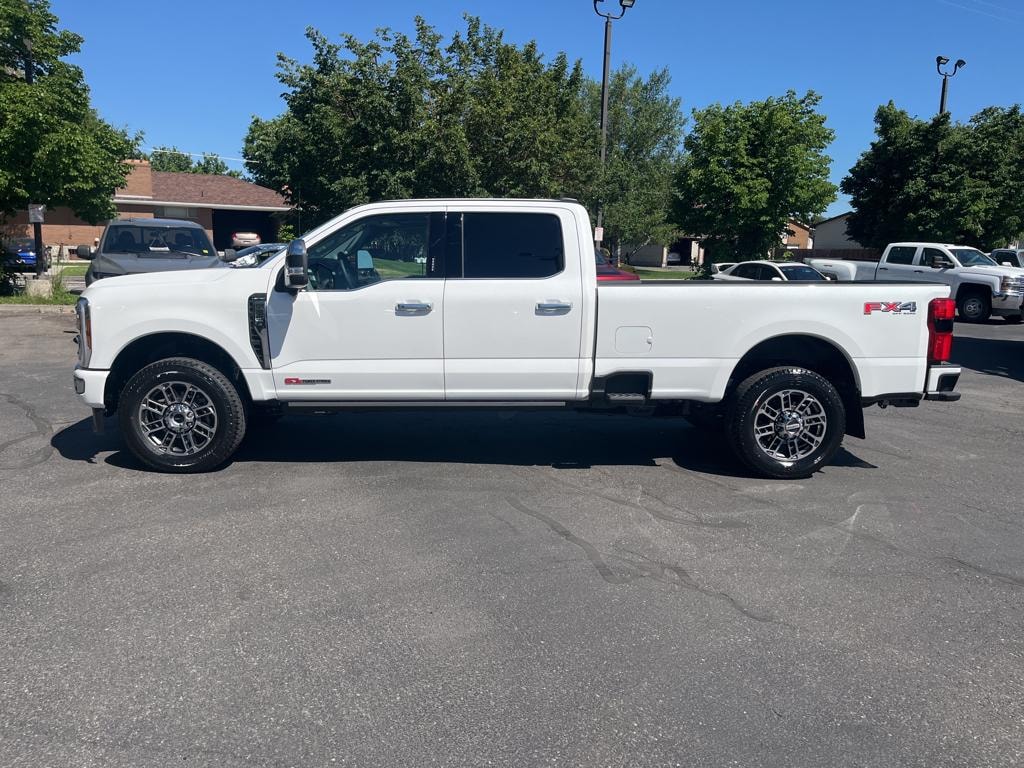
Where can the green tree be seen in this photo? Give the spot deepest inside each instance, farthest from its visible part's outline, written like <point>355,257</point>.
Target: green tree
<point>940,181</point>
<point>400,117</point>
<point>645,130</point>
<point>173,159</point>
<point>748,169</point>
<point>54,148</point>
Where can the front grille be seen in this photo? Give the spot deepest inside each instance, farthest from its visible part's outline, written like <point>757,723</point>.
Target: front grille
<point>258,339</point>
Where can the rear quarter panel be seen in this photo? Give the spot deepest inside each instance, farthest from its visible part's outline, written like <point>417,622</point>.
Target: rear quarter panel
<point>691,335</point>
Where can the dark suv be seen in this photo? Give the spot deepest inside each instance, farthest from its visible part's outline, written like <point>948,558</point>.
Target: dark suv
<point>1008,257</point>
<point>133,246</point>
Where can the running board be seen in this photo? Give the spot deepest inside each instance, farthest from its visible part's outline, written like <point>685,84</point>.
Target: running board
<point>333,406</point>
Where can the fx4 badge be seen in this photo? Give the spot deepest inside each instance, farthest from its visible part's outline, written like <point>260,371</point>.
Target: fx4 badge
<point>892,307</point>
<point>292,380</point>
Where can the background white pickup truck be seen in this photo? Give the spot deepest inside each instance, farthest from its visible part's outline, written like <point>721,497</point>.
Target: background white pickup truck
<point>495,303</point>
<point>980,286</point>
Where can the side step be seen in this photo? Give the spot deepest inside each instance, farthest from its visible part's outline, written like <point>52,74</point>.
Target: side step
<point>626,398</point>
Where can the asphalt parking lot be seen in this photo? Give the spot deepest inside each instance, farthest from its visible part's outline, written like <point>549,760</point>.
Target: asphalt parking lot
<point>511,589</point>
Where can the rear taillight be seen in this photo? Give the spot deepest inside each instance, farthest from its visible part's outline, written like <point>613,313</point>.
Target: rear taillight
<point>940,329</point>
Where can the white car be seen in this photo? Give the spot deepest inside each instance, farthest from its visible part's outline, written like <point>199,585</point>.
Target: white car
<point>721,266</point>
<point>782,272</point>
<point>981,287</point>
<point>506,312</point>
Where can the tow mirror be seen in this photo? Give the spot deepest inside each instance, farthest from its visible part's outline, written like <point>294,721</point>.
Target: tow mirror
<point>776,279</point>
<point>84,252</point>
<point>941,262</point>
<point>296,266</point>
<point>1006,263</point>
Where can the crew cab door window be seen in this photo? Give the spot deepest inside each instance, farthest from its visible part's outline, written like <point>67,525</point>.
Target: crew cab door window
<point>376,249</point>
<point>511,245</point>
<point>930,255</point>
<point>901,254</point>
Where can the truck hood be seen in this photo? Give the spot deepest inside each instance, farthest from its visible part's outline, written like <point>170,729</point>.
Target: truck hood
<point>994,271</point>
<point>133,264</point>
<point>181,278</point>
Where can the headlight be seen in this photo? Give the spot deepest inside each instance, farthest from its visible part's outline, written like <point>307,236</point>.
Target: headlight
<point>84,331</point>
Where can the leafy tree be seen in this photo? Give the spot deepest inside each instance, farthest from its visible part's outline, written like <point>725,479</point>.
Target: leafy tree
<point>940,181</point>
<point>750,168</point>
<point>54,148</point>
<point>399,117</point>
<point>173,159</point>
<point>645,129</point>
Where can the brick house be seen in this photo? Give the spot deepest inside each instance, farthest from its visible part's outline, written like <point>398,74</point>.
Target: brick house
<point>221,204</point>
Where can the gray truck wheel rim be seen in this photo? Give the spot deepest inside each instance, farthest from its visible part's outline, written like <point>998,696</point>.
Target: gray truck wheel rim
<point>178,418</point>
<point>790,425</point>
<point>972,307</point>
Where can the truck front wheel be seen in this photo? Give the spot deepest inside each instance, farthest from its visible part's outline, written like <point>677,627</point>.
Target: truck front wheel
<point>785,422</point>
<point>181,415</point>
<point>974,306</point>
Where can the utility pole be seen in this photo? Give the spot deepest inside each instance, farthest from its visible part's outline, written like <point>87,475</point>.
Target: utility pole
<point>37,227</point>
<point>608,19</point>
<point>940,62</point>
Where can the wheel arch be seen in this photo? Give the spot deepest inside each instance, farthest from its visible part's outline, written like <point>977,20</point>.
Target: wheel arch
<point>815,354</point>
<point>152,347</point>
<point>967,288</point>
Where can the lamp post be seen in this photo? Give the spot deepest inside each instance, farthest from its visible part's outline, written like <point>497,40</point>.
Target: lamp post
<point>37,227</point>
<point>625,5</point>
<point>940,62</point>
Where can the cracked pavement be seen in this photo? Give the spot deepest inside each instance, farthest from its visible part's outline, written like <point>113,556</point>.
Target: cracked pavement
<point>511,589</point>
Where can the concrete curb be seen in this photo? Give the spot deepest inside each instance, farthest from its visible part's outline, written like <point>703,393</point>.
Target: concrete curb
<point>37,309</point>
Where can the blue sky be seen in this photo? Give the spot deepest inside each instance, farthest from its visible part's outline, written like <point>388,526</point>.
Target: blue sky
<point>192,73</point>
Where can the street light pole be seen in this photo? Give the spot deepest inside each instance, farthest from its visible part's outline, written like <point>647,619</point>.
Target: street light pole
<point>37,227</point>
<point>605,76</point>
<point>940,62</point>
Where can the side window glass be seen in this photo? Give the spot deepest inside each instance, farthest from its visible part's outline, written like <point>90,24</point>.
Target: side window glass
<point>511,245</point>
<point>385,247</point>
<point>929,256</point>
<point>901,254</point>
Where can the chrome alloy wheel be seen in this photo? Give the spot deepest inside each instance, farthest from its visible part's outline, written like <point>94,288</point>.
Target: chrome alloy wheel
<point>790,425</point>
<point>973,307</point>
<point>178,418</point>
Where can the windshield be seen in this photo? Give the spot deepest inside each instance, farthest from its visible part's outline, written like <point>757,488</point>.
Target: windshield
<point>801,272</point>
<point>156,241</point>
<point>972,257</point>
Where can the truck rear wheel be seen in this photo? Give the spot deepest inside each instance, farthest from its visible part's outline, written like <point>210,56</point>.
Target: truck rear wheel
<point>974,306</point>
<point>181,415</point>
<point>785,422</point>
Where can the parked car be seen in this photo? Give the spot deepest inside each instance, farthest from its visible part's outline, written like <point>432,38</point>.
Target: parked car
<point>981,287</point>
<point>19,255</point>
<point>131,246</point>
<point>244,240</point>
<point>768,270</point>
<point>255,255</point>
<point>721,267</point>
<point>506,311</point>
<point>607,271</point>
<point>1008,257</point>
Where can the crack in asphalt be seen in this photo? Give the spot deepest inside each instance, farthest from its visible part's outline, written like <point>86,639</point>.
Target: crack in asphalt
<point>42,429</point>
<point>1006,578</point>
<point>627,571</point>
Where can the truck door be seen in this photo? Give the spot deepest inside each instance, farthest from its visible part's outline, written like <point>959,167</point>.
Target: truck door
<point>369,325</point>
<point>513,305</point>
<point>899,264</point>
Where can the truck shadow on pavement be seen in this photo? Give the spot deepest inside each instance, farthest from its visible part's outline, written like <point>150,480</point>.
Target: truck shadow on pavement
<point>559,440</point>
<point>998,357</point>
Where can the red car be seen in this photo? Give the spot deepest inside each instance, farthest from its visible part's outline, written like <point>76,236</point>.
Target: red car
<point>605,270</point>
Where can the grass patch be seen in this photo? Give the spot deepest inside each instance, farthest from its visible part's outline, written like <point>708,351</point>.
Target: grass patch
<point>657,274</point>
<point>74,270</point>
<point>389,268</point>
<point>60,296</point>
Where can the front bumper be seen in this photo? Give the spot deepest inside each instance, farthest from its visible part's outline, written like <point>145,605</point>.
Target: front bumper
<point>90,385</point>
<point>1007,304</point>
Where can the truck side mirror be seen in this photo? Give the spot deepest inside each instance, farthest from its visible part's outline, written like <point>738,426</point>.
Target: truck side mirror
<point>230,254</point>
<point>941,262</point>
<point>296,266</point>
<point>84,252</point>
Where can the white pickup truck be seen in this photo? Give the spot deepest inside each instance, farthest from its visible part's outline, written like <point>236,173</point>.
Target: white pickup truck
<point>981,287</point>
<point>495,303</point>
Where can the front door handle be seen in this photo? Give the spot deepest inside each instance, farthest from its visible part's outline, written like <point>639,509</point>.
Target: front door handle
<point>553,307</point>
<point>413,308</point>
<point>883,269</point>
<point>918,271</point>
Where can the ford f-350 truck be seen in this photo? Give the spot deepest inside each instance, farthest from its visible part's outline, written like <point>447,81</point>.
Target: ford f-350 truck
<point>495,303</point>
<point>980,286</point>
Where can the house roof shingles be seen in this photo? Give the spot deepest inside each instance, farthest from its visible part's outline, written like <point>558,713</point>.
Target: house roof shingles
<point>212,191</point>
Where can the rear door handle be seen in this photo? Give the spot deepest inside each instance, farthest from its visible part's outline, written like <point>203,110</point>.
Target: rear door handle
<point>413,308</point>
<point>553,307</point>
<point>918,271</point>
<point>883,269</point>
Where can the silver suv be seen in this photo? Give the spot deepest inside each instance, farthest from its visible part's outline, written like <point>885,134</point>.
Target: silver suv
<point>133,246</point>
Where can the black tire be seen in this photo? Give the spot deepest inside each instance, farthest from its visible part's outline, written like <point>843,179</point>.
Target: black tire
<point>178,373</point>
<point>1012,319</point>
<point>974,306</point>
<point>745,413</point>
